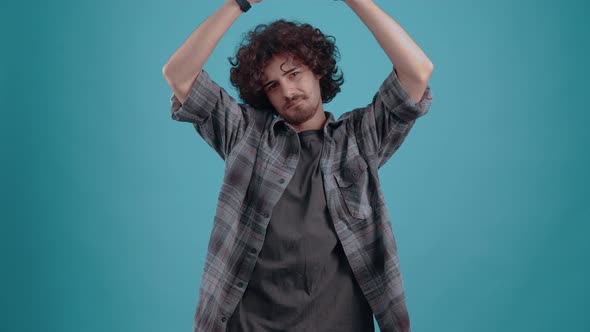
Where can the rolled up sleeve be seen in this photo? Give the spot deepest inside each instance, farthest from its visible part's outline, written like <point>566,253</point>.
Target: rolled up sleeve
<point>216,116</point>
<point>382,126</point>
<point>396,99</point>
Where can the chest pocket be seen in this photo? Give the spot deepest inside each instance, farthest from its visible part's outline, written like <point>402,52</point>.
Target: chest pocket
<point>353,182</point>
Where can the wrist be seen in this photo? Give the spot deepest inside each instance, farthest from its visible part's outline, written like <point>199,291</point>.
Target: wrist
<point>233,6</point>
<point>349,2</point>
<point>244,5</point>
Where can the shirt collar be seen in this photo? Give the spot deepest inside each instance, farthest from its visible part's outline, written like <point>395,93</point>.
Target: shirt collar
<point>280,125</point>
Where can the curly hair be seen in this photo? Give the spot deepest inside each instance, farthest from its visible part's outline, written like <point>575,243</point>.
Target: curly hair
<point>306,43</point>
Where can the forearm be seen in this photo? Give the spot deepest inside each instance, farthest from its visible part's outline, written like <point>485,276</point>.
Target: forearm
<point>409,60</point>
<point>186,63</point>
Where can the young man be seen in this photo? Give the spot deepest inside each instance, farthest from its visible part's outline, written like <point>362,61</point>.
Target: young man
<point>301,240</point>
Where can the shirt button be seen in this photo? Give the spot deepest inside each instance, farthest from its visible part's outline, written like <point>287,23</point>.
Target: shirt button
<point>223,319</point>
<point>240,284</point>
<point>265,215</point>
<point>252,251</point>
<point>281,181</point>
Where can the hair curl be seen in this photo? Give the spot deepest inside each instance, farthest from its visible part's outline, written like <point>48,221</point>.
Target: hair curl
<point>306,43</point>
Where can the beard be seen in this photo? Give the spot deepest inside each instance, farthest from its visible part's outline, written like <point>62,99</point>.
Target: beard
<point>300,113</point>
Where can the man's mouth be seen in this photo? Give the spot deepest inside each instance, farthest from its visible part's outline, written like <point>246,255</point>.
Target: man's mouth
<point>293,104</point>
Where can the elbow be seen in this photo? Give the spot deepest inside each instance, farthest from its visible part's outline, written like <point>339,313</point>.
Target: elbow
<point>427,72</point>
<point>165,74</point>
<point>167,77</point>
<point>165,70</point>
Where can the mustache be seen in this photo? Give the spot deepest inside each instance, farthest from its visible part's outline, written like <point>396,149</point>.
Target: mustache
<point>293,100</point>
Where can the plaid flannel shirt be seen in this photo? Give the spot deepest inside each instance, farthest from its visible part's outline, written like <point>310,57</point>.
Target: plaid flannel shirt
<point>261,151</point>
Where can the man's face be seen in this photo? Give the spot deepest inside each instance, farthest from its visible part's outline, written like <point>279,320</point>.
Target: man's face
<point>293,89</point>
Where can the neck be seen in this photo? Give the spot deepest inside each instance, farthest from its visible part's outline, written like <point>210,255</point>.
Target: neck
<point>316,122</point>
<point>310,126</point>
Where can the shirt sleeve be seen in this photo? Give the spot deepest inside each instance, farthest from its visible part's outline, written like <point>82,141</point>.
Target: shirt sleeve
<point>381,127</point>
<point>216,116</point>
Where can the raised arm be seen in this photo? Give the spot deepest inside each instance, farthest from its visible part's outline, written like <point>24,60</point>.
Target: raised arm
<point>411,64</point>
<point>186,63</point>
<point>196,98</point>
<point>382,126</point>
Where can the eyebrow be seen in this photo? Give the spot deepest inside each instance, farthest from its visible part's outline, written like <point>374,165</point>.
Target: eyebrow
<point>285,73</point>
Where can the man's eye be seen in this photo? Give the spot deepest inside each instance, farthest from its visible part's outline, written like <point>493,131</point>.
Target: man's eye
<point>293,74</point>
<point>270,87</point>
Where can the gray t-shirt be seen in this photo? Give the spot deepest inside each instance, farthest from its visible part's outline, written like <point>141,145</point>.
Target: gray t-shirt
<point>302,280</point>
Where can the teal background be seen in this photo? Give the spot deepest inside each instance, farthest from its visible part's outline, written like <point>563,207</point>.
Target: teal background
<point>107,203</point>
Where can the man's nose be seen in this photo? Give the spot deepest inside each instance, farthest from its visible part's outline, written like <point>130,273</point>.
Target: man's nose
<point>287,90</point>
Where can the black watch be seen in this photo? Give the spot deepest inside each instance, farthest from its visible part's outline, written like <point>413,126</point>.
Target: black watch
<point>244,5</point>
